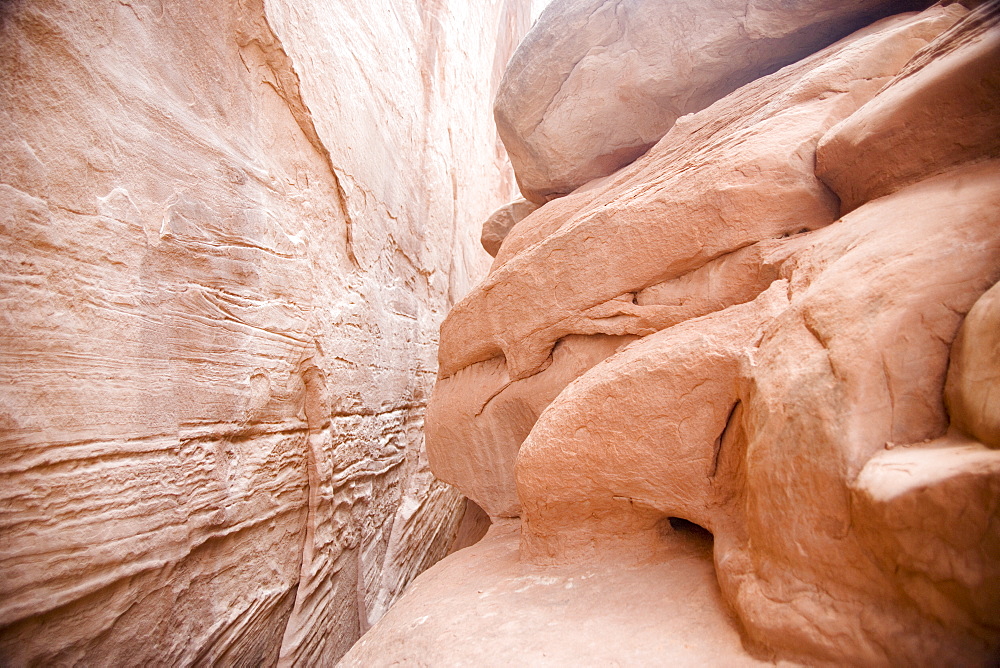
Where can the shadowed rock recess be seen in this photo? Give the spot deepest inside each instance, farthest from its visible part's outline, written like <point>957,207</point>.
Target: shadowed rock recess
<point>731,394</point>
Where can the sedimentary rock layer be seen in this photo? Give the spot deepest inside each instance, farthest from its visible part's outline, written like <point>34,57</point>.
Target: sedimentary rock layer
<point>228,233</point>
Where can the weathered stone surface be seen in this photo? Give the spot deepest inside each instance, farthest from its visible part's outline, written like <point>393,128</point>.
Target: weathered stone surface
<point>737,173</point>
<point>909,502</point>
<point>485,607</point>
<point>946,102</point>
<point>479,417</point>
<point>501,222</point>
<point>972,391</point>
<point>858,363</point>
<point>608,433</point>
<point>597,82</point>
<point>651,246</point>
<point>787,388</point>
<point>228,233</point>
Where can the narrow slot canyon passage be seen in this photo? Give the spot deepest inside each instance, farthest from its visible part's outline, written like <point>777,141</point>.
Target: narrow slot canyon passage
<point>499,333</point>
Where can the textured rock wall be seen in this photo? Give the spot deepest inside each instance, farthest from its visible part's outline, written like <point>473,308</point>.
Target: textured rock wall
<point>228,234</point>
<point>753,372</point>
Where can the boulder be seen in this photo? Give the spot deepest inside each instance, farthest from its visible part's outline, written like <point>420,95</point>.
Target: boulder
<point>739,172</point>
<point>502,221</point>
<point>478,418</point>
<point>942,110</point>
<point>973,388</point>
<point>596,83</point>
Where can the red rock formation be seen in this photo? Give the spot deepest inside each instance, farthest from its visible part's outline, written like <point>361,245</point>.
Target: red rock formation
<point>972,392</point>
<point>754,327</point>
<point>721,181</point>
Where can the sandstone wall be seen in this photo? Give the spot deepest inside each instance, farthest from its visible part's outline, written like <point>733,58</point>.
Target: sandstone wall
<point>737,400</point>
<point>228,234</point>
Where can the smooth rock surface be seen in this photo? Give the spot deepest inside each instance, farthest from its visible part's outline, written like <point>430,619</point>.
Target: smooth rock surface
<point>485,607</point>
<point>634,441</point>
<point>485,416</point>
<point>228,234</point>
<point>597,82</point>
<point>737,173</point>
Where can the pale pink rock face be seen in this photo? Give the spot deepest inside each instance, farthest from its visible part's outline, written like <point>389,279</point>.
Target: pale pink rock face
<point>597,82</point>
<point>228,234</point>
<point>805,272</point>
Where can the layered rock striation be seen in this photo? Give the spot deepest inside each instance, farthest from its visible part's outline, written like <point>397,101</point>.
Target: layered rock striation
<point>228,234</point>
<point>774,332</point>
